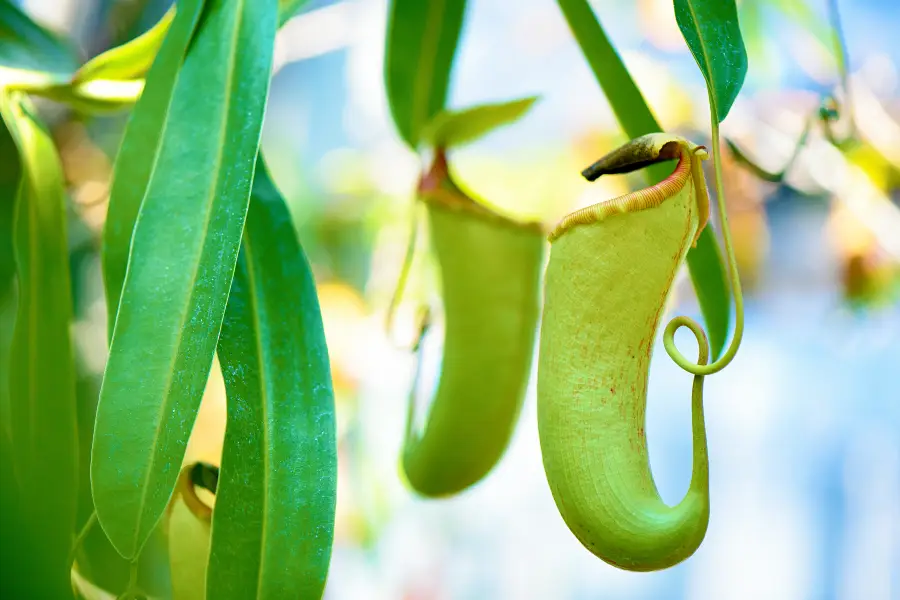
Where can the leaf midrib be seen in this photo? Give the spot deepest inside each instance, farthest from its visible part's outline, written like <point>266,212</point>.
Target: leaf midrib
<point>707,67</point>
<point>420,106</point>
<point>186,309</point>
<point>157,151</point>
<point>264,407</point>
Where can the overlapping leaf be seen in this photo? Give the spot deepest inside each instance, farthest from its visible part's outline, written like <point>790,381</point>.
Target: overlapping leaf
<point>421,44</point>
<point>184,249</point>
<point>120,70</point>
<point>128,61</point>
<point>635,117</point>
<point>132,60</point>
<point>42,409</point>
<point>140,149</point>
<point>712,32</point>
<point>274,517</point>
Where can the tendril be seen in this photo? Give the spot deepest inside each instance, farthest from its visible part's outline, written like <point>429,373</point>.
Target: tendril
<point>79,539</point>
<point>773,176</point>
<point>400,286</point>
<point>424,326</point>
<point>734,278</point>
<point>191,477</point>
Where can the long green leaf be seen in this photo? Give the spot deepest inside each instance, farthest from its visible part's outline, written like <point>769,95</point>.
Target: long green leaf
<point>420,47</point>
<point>274,518</point>
<point>139,152</point>
<point>184,250</point>
<point>168,42</point>
<point>10,173</point>
<point>131,60</point>
<point>26,45</point>
<point>451,128</point>
<point>712,32</point>
<point>42,400</point>
<point>634,115</point>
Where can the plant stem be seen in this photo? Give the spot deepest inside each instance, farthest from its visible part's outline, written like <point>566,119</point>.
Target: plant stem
<point>79,539</point>
<point>424,324</point>
<point>405,269</point>
<point>734,278</point>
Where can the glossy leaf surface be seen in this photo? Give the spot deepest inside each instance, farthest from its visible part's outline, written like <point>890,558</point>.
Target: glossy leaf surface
<point>185,247</point>
<point>131,60</point>
<point>456,128</point>
<point>42,409</point>
<point>712,32</point>
<point>420,47</point>
<point>274,518</point>
<point>140,150</point>
<point>635,117</point>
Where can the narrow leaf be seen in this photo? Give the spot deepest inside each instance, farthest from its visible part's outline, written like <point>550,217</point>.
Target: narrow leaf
<point>634,115</point>
<point>420,47</point>
<point>42,408</point>
<point>128,61</point>
<point>712,32</point>
<point>10,172</point>
<point>455,128</point>
<point>627,103</point>
<point>139,152</point>
<point>184,250</point>
<point>274,518</point>
<point>96,96</point>
<point>26,45</point>
<point>132,60</point>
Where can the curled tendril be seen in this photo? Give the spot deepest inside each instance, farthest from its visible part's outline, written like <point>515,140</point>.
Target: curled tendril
<point>828,113</point>
<point>734,278</point>
<point>193,476</point>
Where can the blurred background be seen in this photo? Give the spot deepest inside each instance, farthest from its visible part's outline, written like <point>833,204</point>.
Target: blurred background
<point>804,426</point>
